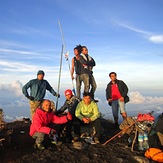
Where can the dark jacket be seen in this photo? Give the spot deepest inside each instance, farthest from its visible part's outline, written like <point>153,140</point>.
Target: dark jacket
<point>77,66</point>
<point>90,63</point>
<point>70,105</point>
<point>122,87</point>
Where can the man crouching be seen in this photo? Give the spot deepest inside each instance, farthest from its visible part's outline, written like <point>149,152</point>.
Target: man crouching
<point>42,119</point>
<point>87,111</point>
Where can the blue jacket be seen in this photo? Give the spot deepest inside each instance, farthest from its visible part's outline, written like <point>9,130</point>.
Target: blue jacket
<point>37,89</point>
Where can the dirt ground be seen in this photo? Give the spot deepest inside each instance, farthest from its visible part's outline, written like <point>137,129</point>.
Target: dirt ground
<point>19,148</point>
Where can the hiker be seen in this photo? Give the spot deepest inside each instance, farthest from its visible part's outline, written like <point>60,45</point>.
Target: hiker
<point>116,95</point>
<point>88,113</point>
<point>86,70</point>
<point>76,66</point>
<point>42,122</point>
<point>70,105</point>
<point>38,89</point>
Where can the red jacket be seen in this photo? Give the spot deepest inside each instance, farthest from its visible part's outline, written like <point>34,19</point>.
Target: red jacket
<point>42,119</point>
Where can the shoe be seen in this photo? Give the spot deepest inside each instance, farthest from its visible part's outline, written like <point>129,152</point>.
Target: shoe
<point>96,140</point>
<point>54,142</point>
<point>76,138</point>
<point>95,101</point>
<point>39,146</point>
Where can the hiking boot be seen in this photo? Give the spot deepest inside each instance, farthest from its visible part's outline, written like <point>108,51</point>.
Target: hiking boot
<point>39,146</point>
<point>76,138</point>
<point>96,140</point>
<point>95,101</point>
<point>54,142</point>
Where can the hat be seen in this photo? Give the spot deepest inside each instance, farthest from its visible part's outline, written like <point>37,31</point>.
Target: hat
<point>68,92</point>
<point>40,72</point>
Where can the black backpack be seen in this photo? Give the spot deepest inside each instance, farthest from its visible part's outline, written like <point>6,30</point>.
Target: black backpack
<point>154,141</point>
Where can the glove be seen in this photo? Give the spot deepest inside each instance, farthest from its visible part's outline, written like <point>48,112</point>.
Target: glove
<point>69,116</point>
<point>30,98</point>
<point>52,133</point>
<point>57,95</point>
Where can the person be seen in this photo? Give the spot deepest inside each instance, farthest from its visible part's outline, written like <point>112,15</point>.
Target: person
<point>38,89</point>
<point>70,105</point>
<point>43,119</point>
<point>76,66</point>
<point>87,74</point>
<point>88,113</point>
<point>116,95</point>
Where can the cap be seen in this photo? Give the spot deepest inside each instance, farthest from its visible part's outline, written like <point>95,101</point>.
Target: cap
<point>40,72</point>
<point>68,92</point>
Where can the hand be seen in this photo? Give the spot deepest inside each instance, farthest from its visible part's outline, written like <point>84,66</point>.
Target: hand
<point>57,95</point>
<point>86,120</point>
<point>109,100</point>
<point>121,99</point>
<point>30,98</point>
<point>69,116</point>
<point>72,77</point>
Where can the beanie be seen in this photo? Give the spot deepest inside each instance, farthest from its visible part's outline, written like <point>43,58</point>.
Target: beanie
<point>40,72</point>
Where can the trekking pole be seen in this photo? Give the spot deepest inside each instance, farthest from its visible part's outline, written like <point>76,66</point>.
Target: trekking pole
<point>119,133</point>
<point>66,54</point>
<point>59,76</point>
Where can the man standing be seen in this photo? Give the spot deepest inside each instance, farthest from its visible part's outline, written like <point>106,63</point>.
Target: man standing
<point>88,113</point>
<point>76,66</point>
<point>38,89</point>
<point>86,72</point>
<point>116,95</point>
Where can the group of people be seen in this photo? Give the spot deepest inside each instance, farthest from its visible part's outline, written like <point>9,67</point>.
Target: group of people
<point>75,112</point>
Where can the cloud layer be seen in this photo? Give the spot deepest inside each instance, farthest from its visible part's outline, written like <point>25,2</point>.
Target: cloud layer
<point>16,106</point>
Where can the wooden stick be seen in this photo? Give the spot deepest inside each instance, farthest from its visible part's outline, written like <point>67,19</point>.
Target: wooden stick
<point>119,133</point>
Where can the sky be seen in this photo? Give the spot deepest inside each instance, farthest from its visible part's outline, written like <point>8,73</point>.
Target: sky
<point>122,36</point>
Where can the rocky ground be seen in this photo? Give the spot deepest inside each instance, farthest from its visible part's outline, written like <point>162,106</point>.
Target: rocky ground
<point>18,148</point>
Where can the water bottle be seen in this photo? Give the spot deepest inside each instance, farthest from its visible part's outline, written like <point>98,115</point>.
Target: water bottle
<point>140,141</point>
<point>145,143</point>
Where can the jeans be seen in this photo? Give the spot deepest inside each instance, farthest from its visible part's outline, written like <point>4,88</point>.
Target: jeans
<point>93,85</point>
<point>96,124</point>
<point>79,79</point>
<point>116,106</point>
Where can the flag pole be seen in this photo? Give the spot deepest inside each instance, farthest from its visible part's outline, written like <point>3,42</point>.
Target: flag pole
<point>66,54</point>
<point>59,78</point>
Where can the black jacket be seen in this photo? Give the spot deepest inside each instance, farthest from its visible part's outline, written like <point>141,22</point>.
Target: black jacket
<point>70,105</point>
<point>122,87</point>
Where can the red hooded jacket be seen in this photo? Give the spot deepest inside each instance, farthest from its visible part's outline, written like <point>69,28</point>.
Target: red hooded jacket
<point>42,119</point>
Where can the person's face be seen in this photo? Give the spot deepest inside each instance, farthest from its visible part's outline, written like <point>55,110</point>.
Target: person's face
<point>46,105</point>
<point>85,51</point>
<point>113,77</point>
<point>40,77</point>
<point>87,100</point>
<point>76,52</point>
<point>68,97</point>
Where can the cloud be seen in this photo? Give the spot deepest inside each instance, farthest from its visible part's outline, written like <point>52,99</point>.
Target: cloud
<point>17,52</point>
<point>149,35</point>
<point>156,38</point>
<point>137,98</point>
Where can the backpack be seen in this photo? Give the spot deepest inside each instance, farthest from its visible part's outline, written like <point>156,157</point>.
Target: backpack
<point>154,154</point>
<point>156,133</point>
